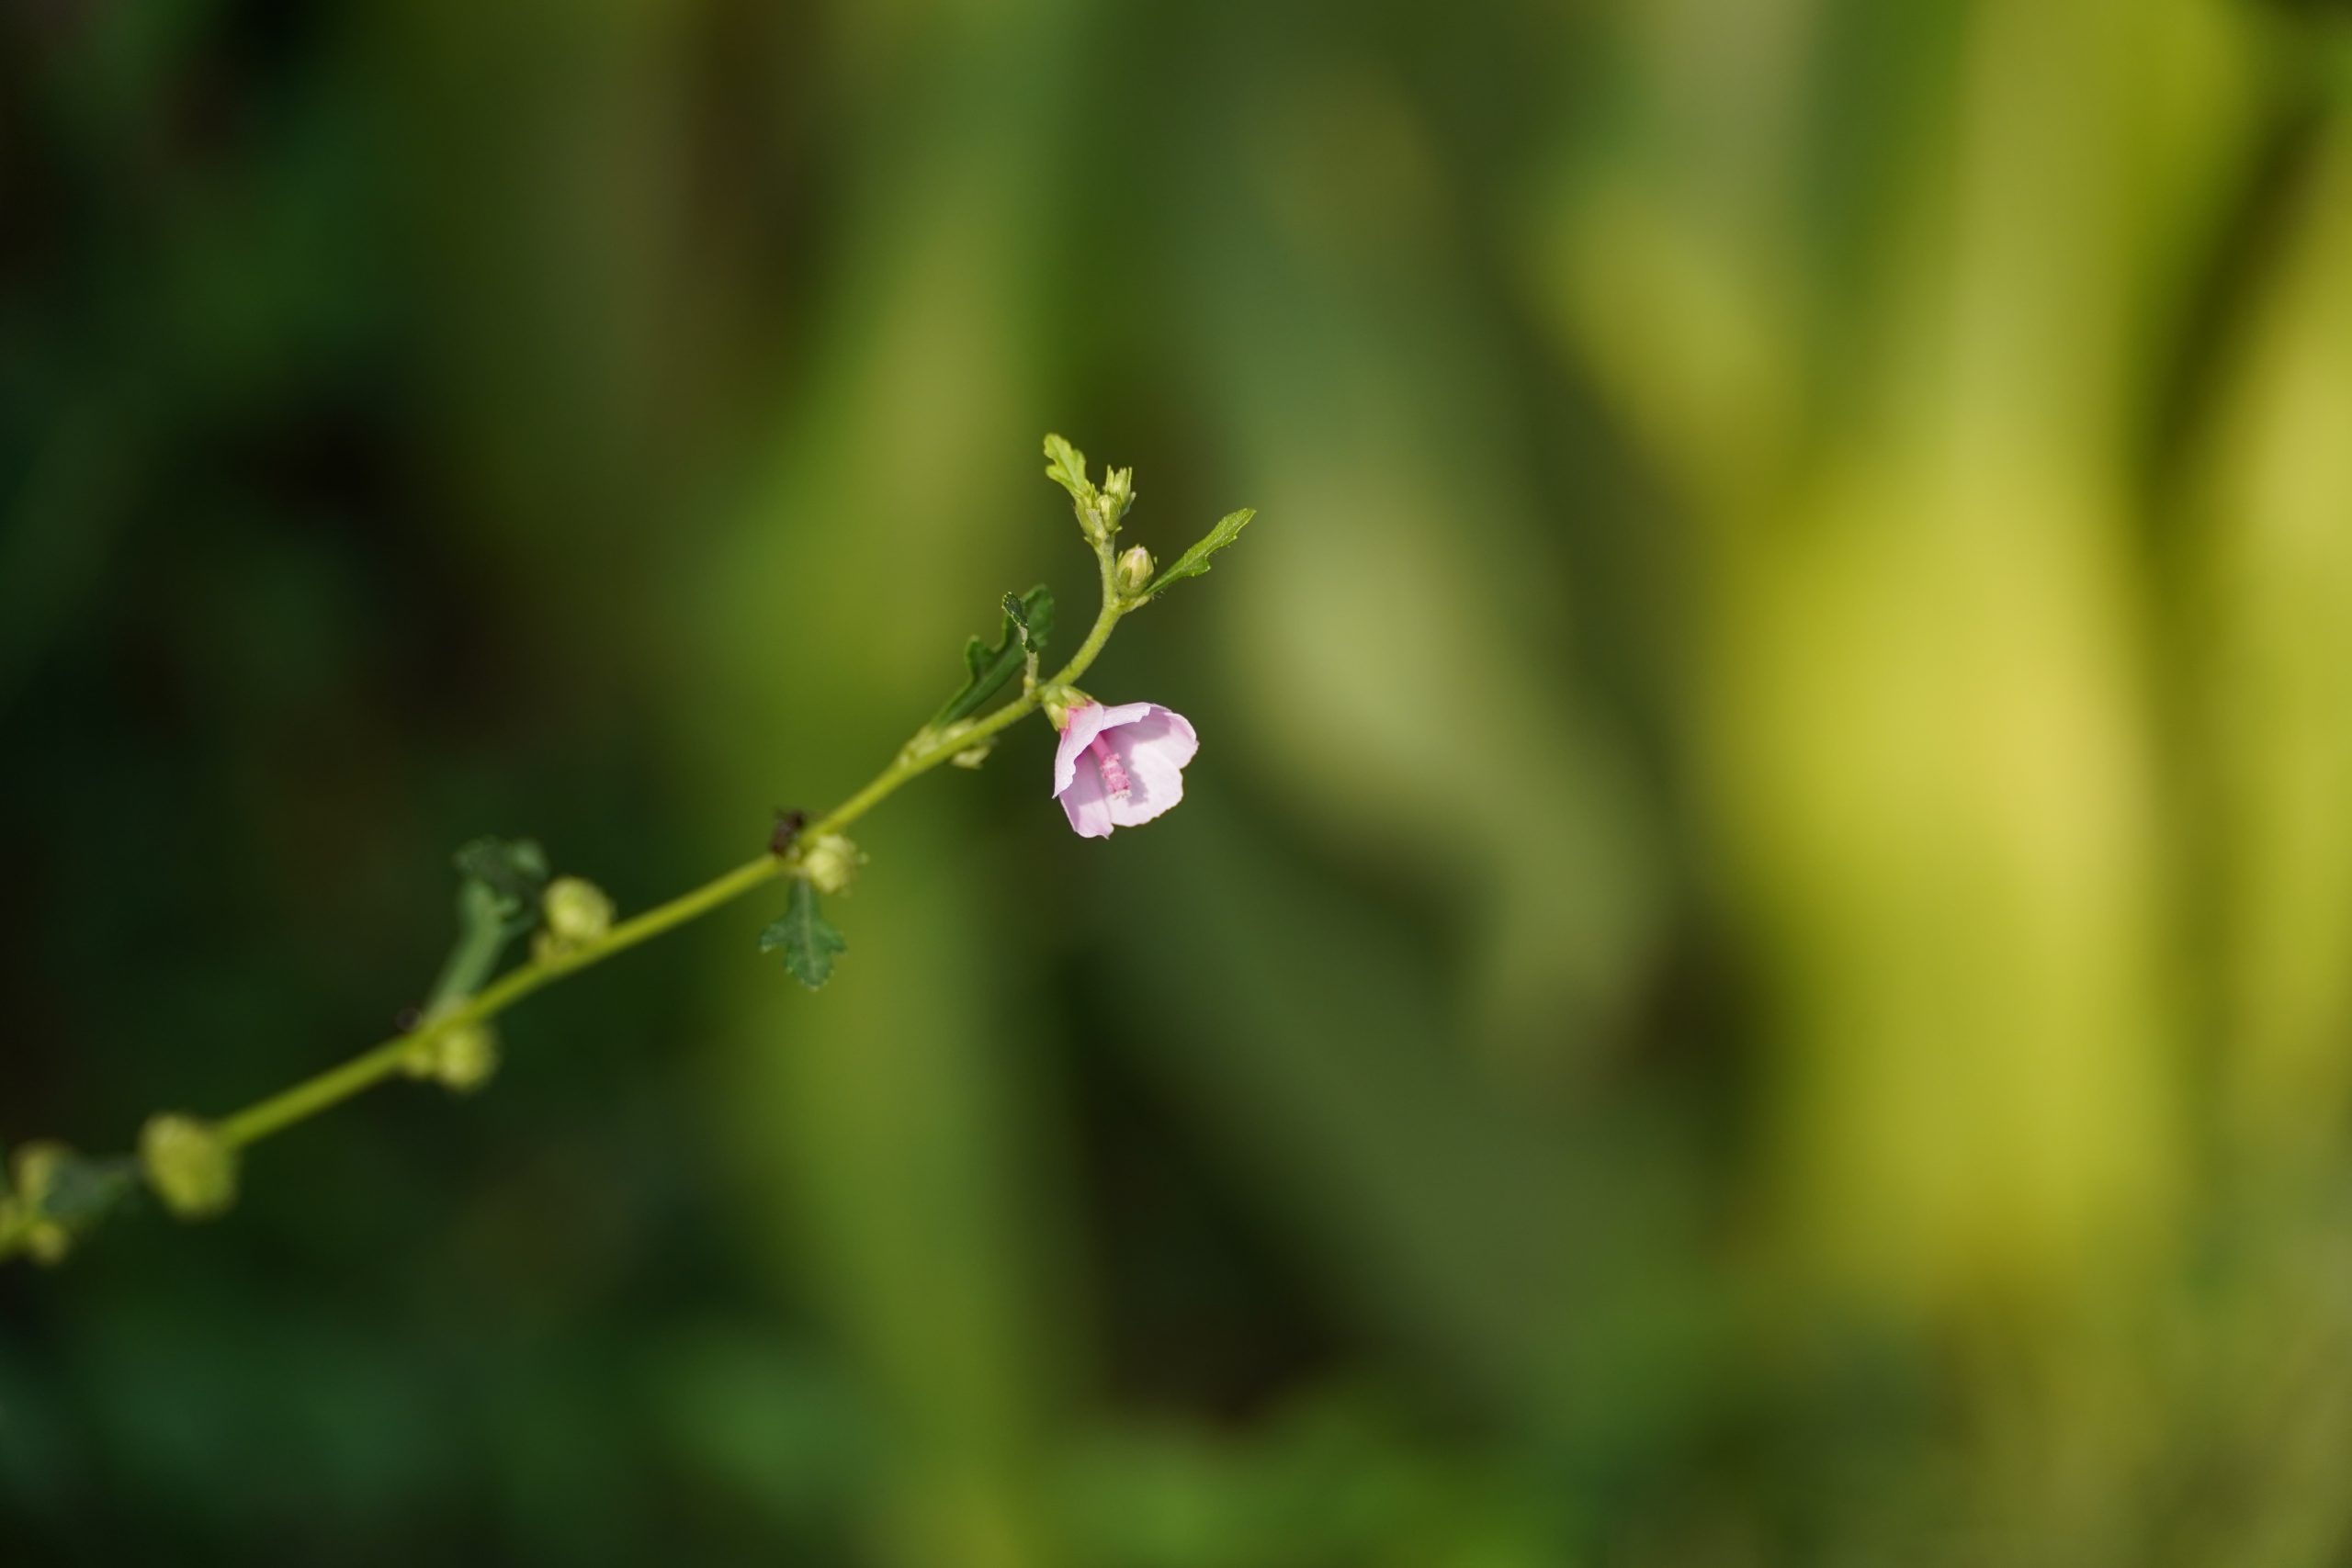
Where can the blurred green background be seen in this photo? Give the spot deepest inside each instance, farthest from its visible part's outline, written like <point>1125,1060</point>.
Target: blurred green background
<point>1758,966</point>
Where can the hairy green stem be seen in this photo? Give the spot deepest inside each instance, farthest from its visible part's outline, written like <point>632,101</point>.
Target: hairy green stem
<point>338,1084</point>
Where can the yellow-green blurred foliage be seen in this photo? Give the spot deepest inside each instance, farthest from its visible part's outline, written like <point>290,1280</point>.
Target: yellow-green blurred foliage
<point>1758,968</point>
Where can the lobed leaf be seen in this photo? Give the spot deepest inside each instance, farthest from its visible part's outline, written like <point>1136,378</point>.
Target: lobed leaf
<point>810,941</point>
<point>1065,466</point>
<point>1195,561</point>
<point>1028,621</point>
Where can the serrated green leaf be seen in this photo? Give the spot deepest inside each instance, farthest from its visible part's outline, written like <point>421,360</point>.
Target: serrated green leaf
<point>810,941</point>
<point>1028,621</point>
<point>80,1190</point>
<point>1065,466</point>
<point>1195,561</point>
<point>1018,614</point>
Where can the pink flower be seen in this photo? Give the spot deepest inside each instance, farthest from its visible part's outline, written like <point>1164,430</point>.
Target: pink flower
<point>1120,767</point>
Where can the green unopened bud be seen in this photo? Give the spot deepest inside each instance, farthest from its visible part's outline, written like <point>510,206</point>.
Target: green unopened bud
<point>1135,570</point>
<point>831,863</point>
<point>190,1165</point>
<point>37,1169</point>
<point>461,1059</point>
<point>1118,495</point>
<point>577,910</point>
<point>469,1057</point>
<point>48,1243</point>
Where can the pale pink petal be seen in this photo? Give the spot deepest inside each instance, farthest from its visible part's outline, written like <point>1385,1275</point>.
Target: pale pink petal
<point>1066,755</point>
<point>1163,731</point>
<point>1085,724</point>
<point>1155,750</point>
<point>1087,804</point>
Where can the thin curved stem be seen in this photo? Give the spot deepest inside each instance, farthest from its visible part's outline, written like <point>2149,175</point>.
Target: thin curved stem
<point>340,1083</point>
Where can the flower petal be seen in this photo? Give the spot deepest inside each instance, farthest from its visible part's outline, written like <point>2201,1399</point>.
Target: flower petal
<point>1087,804</point>
<point>1155,750</point>
<point>1163,730</point>
<point>1085,724</point>
<point>1066,755</point>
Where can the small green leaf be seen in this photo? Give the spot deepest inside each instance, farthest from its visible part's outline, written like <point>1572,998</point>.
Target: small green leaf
<point>516,870</point>
<point>1065,466</point>
<point>810,941</point>
<point>1028,621</point>
<point>498,900</point>
<point>1032,628</point>
<point>78,1190</point>
<point>1195,561</point>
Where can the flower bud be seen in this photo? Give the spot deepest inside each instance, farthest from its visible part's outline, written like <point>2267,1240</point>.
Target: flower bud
<point>37,1169</point>
<point>1135,570</point>
<point>1118,495</point>
<point>190,1165</point>
<point>831,863</point>
<point>577,910</point>
<point>48,1243</point>
<point>469,1057</point>
<point>461,1059</point>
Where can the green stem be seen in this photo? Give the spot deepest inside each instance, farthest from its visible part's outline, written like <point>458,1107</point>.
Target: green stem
<point>338,1084</point>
